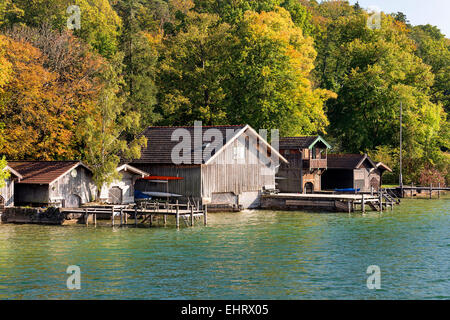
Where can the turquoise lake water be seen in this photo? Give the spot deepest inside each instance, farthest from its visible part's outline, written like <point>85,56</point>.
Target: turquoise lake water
<point>248,255</point>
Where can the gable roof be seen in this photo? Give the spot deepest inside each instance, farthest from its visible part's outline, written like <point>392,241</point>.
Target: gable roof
<point>13,172</point>
<point>381,166</point>
<point>43,172</point>
<point>348,161</point>
<point>131,169</point>
<point>303,142</point>
<point>160,144</point>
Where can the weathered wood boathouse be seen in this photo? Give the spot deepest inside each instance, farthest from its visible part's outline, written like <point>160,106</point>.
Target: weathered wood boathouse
<point>235,164</point>
<point>66,184</point>
<point>307,160</point>
<point>353,171</point>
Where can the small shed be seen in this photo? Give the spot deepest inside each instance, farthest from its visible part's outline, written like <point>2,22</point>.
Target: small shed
<point>7,192</point>
<point>121,191</point>
<point>353,171</point>
<point>307,156</point>
<point>65,184</point>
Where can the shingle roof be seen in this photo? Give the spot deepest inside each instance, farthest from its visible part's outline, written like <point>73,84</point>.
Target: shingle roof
<point>302,142</point>
<point>160,144</point>
<point>347,161</point>
<point>42,172</point>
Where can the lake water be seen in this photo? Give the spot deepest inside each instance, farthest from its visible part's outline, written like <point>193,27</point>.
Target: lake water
<point>248,255</point>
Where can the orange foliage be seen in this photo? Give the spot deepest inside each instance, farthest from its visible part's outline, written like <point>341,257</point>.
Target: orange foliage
<point>41,107</point>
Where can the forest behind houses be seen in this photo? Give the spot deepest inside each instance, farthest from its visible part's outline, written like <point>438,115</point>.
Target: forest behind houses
<point>303,67</point>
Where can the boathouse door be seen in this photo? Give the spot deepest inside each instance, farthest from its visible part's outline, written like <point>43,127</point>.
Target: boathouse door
<point>72,201</point>
<point>115,195</point>
<point>309,188</point>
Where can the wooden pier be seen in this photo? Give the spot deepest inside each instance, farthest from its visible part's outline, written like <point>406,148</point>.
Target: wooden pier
<point>329,202</point>
<point>147,213</point>
<point>424,191</point>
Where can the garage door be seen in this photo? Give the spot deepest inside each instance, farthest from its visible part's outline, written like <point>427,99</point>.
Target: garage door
<point>115,195</point>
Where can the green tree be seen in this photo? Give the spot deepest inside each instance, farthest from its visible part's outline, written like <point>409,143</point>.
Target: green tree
<point>100,24</point>
<point>193,71</point>
<point>140,50</point>
<point>270,83</point>
<point>4,174</point>
<point>104,131</point>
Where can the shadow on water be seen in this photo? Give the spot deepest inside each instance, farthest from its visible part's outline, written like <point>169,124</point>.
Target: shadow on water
<point>247,255</point>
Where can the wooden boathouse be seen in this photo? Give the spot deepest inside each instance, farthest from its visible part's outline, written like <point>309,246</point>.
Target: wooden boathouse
<point>307,160</point>
<point>64,184</point>
<point>235,165</point>
<point>353,171</point>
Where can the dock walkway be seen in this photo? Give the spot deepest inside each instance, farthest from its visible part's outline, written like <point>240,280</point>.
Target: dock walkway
<point>328,202</point>
<point>145,213</point>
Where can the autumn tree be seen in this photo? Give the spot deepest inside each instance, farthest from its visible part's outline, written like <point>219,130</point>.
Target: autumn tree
<point>37,123</point>
<point>270,72</point>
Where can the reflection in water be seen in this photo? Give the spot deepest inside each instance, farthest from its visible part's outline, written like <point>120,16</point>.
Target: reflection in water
<point>248,255</point>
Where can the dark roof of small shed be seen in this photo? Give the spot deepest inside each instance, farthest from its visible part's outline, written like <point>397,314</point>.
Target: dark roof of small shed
<point>42,172</point>
<point>302,142</point>
<point>348,161</point>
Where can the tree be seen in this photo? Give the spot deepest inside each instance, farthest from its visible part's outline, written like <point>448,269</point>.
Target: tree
<point>104,129</point>
<point>270,83</point>
<point>4,174</point>
<point>434,49</point>
<point>140,48</point>
<point>54,84</point>
<point>37,123</point>
<point>373,71</point>
<point>100,24</point>
<point>193,71</point>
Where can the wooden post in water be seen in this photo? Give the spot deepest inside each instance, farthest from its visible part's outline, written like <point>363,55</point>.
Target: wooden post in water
<point>192,216</point>
<point>431,190</point>
<point>380,199</point>
<point>363,204</point>
<point>177,216</point>
<point>135,216</point>
<point>126,218</point>
<point>95,219</point>
<point>349,206</point>
<point>121,217</point>
<point>86,217</point>
<point>151,220</point>
<point>205,215</point>
<point>439,190</point>
<point>112,216</point>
